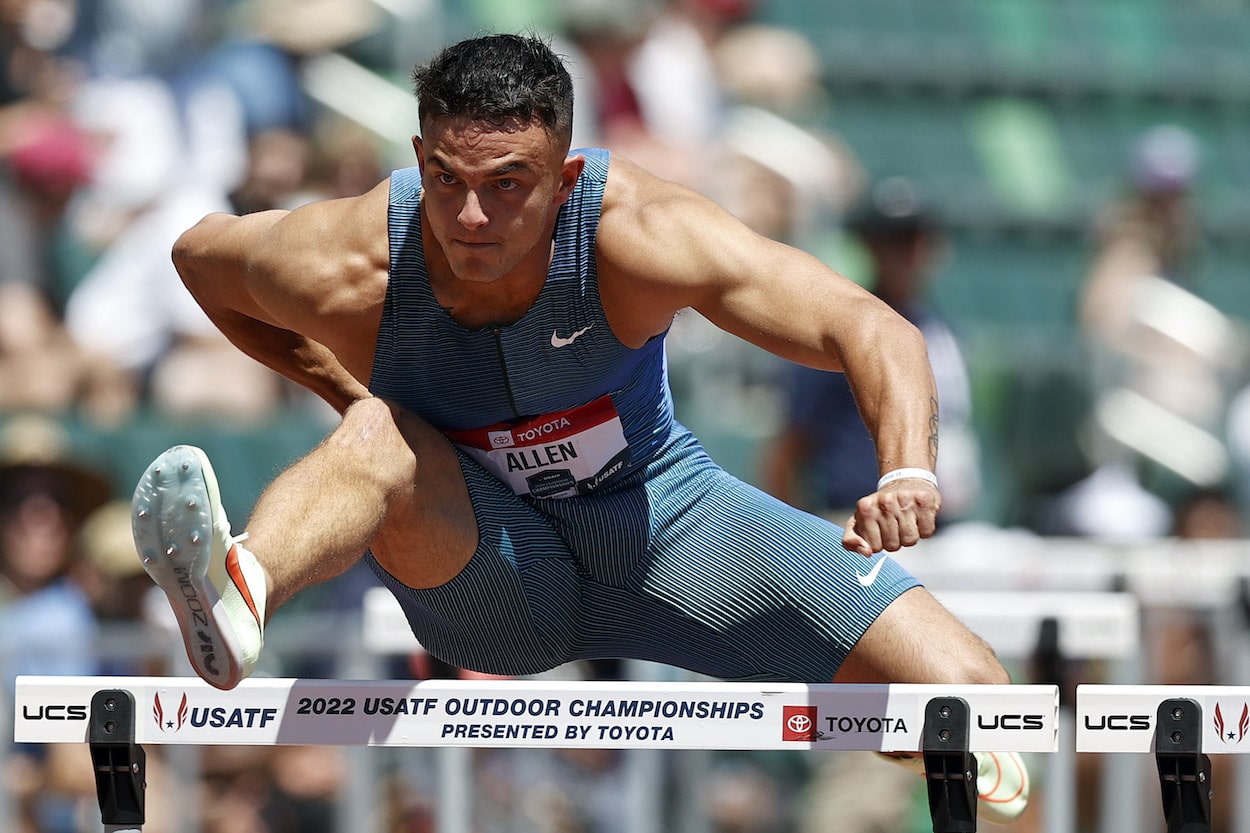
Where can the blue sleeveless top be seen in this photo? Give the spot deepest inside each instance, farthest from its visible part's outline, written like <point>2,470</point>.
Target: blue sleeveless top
<point>560,355</point>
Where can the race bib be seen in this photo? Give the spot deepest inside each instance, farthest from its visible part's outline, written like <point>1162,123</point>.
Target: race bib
<point>558,455</point>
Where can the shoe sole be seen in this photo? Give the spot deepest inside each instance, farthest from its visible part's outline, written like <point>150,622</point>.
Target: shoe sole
<point>172,519</point>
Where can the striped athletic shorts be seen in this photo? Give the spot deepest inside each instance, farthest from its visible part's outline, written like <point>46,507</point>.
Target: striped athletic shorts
<point>679,563</point>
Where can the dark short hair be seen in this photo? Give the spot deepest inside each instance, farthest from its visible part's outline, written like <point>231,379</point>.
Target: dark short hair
<point>500,80</point>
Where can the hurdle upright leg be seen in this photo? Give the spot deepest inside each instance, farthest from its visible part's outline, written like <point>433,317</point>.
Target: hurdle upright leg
<point>119,763</point>
<point>1184,772</point>
<point>950,768</point>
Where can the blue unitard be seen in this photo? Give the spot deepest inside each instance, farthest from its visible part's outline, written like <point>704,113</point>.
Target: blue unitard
<point>605,529</point>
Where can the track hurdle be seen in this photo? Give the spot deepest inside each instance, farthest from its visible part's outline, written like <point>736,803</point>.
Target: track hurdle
<point>1207,578</point>
<point>945,724</point>
<point>1180,726</point>
<point>1086,624</point>
<point>1048,629</point>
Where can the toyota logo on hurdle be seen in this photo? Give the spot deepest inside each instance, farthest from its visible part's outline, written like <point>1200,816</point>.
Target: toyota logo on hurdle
<point>798,723</point>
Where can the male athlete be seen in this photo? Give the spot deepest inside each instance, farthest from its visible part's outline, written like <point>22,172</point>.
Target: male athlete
<point>491,326</point>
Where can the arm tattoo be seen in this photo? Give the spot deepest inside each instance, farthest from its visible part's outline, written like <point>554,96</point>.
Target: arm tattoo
<point>933,430</point>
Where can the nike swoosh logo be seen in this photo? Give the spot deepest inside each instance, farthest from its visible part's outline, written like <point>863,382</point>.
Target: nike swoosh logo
<point>871,576</point>
<point>556,341</point>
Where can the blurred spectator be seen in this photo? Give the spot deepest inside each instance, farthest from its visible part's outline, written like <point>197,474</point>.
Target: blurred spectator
<point>1182,645</point>
<point>276,789</point>
<point>41,367</point>
<point>122,597</point>
<point>1208,514</point>
<point>1159,355</point>
<point>31,33</point>
<point>787,182</point>
<point>125,38</point>
<point>347,160</point>
<point>46,624</point>
<point>745,795</point>
<point>823,458</point>
<point>144,335</point>
<point>43,157</point>
<point>603,36</point>
<point>278,167</point>
<point>859,792</point>
<point>249,82</point>
<point>680,94</point>
<point>773,67</point>
<point>674,74</point>
<point>1149,231</point>
<point>288,168</point>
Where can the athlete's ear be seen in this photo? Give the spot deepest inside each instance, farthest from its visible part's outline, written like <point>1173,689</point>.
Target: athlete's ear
<point>569,172</point>
<point>419,149</point>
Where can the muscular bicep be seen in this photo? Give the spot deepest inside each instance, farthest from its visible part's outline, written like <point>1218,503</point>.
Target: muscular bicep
<point>785,301</point>
<point>680,250</point>
<point>318,271</point>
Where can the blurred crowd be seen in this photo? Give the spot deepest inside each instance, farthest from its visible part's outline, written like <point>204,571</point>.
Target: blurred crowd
<point>123,122</point>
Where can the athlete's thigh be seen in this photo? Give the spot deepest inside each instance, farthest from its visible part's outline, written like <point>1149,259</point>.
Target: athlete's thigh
<point>916,640</point>
<point>513,607</point>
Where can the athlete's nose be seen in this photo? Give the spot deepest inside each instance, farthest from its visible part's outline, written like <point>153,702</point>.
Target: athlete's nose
<point>471,213</point>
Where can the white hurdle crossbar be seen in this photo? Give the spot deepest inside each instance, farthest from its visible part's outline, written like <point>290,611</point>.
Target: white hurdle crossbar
<point>117,716</point>
<point>538,713</point>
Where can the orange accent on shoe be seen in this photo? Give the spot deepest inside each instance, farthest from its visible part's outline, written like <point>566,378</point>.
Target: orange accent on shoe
<point>984,796</point>
<point>236,575</point>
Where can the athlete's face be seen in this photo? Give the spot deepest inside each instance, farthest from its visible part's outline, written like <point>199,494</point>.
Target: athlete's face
<point>491,195</point>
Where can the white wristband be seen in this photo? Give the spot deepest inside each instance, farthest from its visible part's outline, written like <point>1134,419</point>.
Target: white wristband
<point>904,474</point>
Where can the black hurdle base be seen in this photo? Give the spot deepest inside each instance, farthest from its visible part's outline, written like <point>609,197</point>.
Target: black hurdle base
<point>1184,772</point>
<point>950,769</point>
<point>119,763</point>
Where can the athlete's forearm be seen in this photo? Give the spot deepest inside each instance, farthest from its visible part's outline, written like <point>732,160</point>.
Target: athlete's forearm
<point>300,359</point>
<point>897,398</point>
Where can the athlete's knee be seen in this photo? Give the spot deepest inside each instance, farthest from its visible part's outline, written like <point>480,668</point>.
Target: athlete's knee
<point>980,666</point>
<point>369,437</point>
<point>395,446</point>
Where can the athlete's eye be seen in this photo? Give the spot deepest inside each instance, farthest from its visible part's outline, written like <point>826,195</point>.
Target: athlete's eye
<point>507,184</point>
<point>444,178</point>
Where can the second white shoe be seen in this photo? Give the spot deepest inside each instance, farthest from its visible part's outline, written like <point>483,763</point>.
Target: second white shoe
<point>1002,783</point>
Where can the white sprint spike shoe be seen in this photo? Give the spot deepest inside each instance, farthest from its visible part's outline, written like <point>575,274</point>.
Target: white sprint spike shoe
<point>216,587</point>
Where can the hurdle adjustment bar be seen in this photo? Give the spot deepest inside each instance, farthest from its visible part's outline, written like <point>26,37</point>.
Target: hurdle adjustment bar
<point>950,768</point>
<point>119,762</point>
<point>1184,772</point>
